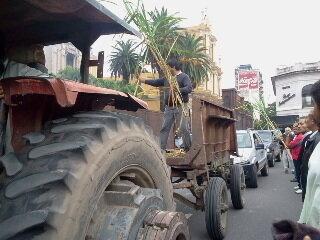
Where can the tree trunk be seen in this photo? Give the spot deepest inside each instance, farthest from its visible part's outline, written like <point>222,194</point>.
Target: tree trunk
<point>125,76</point>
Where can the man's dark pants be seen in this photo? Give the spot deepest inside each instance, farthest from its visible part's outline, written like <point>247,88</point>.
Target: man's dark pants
<point>297,171</point>
<point>171,115</point>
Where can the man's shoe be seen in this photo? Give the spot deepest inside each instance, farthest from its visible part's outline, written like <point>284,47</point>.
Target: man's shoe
<point>299,191</point>
<point>286,171</point>
<point>296,188</point>
<point>293,180</point>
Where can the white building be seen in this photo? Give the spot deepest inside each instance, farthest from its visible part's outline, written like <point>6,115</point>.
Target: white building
<point>291,85</point>
<point>61,55</point>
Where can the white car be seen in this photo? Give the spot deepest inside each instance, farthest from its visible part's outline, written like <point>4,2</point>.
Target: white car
<point>252,156</point>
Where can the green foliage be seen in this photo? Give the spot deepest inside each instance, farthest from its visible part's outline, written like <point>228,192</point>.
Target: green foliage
<point>164,31</point>
<point>74,74</point>
<point>124,60</point>
<point>266,113</point>
<point>161,29</point>
<point>71,73</point>
<point>117,85</point>
<point>196,63</point>
<point>152,33</point>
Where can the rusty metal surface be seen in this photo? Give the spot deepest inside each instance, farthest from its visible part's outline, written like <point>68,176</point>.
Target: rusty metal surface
<point>232,100</point>
<point>54,98</point>
<point>66,92</point>
<point>213,135</point>
<point>153,119</point>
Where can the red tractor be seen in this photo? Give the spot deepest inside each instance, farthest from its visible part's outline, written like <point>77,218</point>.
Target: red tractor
<point>68,169</point>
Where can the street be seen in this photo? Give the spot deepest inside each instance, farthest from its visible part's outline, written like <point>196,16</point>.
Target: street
<point>274,199</point>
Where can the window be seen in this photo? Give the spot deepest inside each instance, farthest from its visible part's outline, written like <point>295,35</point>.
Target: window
<point>266,136</point>
<point>70,60</point>
<point>306,97</point>
<point>244,140</point>
<point>257,139</point>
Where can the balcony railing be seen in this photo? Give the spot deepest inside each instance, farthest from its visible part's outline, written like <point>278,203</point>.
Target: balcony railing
<point>299,67</point>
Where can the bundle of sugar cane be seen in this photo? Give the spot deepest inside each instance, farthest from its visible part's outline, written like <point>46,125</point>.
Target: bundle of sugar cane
<point>138,15</point>
<point>175,153</point>
<point>260,108</point>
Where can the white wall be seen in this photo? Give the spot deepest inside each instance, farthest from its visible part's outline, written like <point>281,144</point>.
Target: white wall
<point>56,56</point>
<point>294,83</point>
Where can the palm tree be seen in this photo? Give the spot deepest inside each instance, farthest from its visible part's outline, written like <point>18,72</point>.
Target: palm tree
<point>124,60</point>
<point>196,63</point>
<point>163,30</point>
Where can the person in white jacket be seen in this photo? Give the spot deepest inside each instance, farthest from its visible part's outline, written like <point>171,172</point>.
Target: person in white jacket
<point>311,207</point>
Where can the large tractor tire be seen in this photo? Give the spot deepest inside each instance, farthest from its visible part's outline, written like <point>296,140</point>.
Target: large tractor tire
<point>216,208</point>
<point>80,173</point>
<point>237,186</point>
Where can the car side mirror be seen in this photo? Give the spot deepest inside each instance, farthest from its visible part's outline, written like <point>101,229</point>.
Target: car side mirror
<point>259,146</point>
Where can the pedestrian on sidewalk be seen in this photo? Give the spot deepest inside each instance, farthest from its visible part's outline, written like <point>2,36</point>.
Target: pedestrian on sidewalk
<point>304,129</point>
<point>295,148</point>
<point>310,142</point>
<point>310,213</point>
<point>286,157</point>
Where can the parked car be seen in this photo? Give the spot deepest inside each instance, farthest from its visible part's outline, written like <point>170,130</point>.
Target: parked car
<point>272,145</point>
<point>252,156</point>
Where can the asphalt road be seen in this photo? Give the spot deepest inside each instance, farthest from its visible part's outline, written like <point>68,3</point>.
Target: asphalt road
<point>274,199</point>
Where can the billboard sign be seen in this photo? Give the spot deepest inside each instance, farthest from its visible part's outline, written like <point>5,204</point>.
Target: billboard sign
<point>248,80</point>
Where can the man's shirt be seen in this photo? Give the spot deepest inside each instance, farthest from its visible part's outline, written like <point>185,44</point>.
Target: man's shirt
<point>184,83</point>
<point>295,146</point>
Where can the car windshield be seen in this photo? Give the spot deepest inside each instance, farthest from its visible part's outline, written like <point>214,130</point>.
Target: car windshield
<point>244,140</point>
<point>266,136</point>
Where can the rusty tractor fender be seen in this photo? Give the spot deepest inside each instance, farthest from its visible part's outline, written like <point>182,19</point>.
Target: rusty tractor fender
<point>32,101</point>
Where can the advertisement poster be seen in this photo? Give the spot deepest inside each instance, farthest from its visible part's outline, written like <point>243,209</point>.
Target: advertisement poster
<point>248,80</point>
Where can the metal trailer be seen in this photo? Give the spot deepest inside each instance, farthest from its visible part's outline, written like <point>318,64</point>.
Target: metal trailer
<point>69,170</point>
<point>233,101</point>
<point>206,169</point>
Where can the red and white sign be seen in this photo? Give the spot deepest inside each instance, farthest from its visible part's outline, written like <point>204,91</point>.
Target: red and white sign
<point>248,80</point>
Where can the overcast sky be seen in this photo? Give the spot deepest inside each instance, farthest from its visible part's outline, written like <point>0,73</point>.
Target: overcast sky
<point>263,33</point>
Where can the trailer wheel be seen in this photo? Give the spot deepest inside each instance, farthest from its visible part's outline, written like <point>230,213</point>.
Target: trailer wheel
<point>216,208</point>
<point>65,183</point>
<point>253,177</point>
<point>265,170</point>
<point>237,186</point>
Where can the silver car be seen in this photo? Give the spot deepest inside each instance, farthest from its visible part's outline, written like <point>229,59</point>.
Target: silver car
<point>252,156</point>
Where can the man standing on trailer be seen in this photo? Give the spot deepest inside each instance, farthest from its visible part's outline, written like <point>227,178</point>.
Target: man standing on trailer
<point>173,111</point>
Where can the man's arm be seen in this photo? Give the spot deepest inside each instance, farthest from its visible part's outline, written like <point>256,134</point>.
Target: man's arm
<point>155,83</point>
<point>186,85</point>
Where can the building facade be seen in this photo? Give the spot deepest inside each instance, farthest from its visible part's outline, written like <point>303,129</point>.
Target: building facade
<point>59,56</point>
<point>249,83</point>
<point>291,86</point>
<point>204,30</point>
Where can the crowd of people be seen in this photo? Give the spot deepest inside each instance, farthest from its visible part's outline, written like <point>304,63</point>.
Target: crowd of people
<point>301,154</point>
